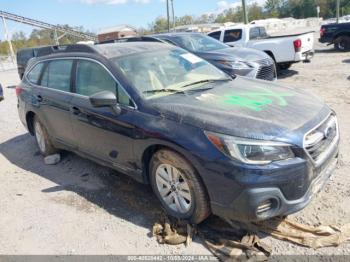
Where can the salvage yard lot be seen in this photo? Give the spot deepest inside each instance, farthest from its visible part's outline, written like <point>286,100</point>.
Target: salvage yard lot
<point>78,207</point>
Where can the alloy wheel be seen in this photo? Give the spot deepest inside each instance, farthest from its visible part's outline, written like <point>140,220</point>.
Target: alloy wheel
<point>173,188</point>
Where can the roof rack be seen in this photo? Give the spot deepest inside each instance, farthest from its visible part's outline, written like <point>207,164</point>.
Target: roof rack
<point>80,48</point>
<point>131,39</point>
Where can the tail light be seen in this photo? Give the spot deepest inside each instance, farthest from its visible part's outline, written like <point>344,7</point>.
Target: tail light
<point>19,90</point>
<point>297,45</point>
<point>322,31</point>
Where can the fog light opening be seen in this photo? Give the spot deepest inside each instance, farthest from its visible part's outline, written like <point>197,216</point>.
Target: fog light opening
<point>266,207</point>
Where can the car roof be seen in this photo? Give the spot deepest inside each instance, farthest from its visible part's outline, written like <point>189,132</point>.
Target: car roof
<point>110,50</point>
<point>128,48</point>
<point>170,35</point>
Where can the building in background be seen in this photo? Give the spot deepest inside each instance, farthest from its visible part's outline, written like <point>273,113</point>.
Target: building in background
<point>116,32</point>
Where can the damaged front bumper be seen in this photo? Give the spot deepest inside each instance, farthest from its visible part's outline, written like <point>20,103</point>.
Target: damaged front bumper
<point>275,198</point>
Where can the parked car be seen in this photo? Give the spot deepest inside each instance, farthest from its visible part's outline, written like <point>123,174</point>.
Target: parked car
<point>207,143</point>
<point>234,61</point>
<point>23,56</point>
<point>285,49</point>
<point>1,93</point>
<point>337,35</point>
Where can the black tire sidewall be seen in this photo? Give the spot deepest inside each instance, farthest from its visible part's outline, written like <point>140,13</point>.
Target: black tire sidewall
<point>49,149</point>
<point>187,171</point>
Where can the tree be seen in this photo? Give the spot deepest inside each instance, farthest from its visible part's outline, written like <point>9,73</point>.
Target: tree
<point>255,12</point>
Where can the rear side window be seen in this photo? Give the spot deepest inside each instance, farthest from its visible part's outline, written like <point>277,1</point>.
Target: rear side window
<point>263,32</point>
<point>215,35</point>
<point>232,35</point>
<point>254,33</point>
<point>34,74</point>
<point>57,75</point>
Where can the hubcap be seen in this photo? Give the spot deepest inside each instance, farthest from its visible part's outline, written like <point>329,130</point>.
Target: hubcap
<point>39,136</point>
<point>173,188</point>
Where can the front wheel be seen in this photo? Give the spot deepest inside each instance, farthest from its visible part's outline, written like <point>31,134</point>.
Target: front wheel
<point>178,187</point>
<point>342,43</point>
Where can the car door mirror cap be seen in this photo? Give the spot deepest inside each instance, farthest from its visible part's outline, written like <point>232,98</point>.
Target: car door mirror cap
<point>103,99</point>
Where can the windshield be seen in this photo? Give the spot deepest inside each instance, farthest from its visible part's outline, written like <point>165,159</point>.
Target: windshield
<point>167,71</point>
<point>199,43</point>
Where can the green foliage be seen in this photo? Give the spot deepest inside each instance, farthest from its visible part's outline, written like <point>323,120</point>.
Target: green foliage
<point>272,8</point>
<point>38,37</point>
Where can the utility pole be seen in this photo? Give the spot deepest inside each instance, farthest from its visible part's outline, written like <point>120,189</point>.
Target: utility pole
<point>168,16</point>
<point>338,10</point>
<point>245,15</point>
<point>172,9</point>
<point>7,36</point>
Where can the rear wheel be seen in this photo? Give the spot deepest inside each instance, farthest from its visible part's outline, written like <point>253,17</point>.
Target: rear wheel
<point>42,138</point>
<point>284,66</point>
<point>342,43</point>
<point>178,187</point>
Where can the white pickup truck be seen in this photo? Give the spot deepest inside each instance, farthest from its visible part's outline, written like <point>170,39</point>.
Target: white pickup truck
<point>285,49</point>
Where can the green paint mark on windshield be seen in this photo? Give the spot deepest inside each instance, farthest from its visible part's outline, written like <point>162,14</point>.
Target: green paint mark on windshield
<point>257,100</point>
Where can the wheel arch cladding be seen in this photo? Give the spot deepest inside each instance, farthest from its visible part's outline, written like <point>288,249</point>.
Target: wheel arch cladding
<point>30,121</point>
<point>341,34</point>
<point>152,149</point>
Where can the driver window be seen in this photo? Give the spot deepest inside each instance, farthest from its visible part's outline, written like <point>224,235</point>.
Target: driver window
<point>92,78</point>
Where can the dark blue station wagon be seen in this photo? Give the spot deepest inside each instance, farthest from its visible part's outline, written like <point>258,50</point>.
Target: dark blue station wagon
<point>207,142</point>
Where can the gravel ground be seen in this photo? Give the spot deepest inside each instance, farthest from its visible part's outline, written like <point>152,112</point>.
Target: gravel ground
<point>78,207</point>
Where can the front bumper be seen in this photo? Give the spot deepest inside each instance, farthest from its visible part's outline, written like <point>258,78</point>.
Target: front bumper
<point>246,207</point>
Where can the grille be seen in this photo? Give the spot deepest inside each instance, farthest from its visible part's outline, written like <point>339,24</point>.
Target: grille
<point>267,70</point>
<point>320,141</point>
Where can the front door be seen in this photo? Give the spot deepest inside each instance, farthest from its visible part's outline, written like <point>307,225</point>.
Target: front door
<point>101,132</point>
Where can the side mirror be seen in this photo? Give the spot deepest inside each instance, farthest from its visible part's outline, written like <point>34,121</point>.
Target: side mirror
<point>103,99</point>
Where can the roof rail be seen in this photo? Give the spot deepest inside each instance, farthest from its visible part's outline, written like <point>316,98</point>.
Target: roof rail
<point>48,50</point>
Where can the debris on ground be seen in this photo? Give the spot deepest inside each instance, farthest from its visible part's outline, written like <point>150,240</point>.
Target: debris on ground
<point>222,240</point>
<point>308,236</point>
<point>173,232</point>
<point>229,239</point>
<point>52,159</point>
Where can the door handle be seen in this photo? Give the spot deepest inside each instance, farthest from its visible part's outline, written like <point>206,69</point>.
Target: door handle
<point>39,98</point>
<point>76,111</point>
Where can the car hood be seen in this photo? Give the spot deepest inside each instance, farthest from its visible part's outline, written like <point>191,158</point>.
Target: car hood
<point>246,108</point>
<point>234,53</point>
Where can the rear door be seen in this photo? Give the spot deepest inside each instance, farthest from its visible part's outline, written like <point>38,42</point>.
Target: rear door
<point>100,132</point>
<point>53,96</point>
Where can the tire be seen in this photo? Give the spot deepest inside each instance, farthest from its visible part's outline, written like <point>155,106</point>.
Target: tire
<point>342,43</point>
<point>284,66</point>
<point>42,138</point>
<point>183,195</point>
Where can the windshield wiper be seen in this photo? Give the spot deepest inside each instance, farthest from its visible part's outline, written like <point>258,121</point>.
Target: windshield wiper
<point>163,90</point>
<point>207,81</point>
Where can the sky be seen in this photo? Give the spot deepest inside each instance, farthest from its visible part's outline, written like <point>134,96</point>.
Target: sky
<point>97,14</point>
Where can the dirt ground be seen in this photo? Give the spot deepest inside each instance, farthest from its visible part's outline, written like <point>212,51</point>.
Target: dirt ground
<point>78,207</point>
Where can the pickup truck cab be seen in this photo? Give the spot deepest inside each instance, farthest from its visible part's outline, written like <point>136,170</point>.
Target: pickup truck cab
<point>285,49</point>
<point>337,34</point>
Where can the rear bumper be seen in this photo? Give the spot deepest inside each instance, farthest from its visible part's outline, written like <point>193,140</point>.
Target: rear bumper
<point>305,56</point>
<point>325,40</point>
<point>247,206</point>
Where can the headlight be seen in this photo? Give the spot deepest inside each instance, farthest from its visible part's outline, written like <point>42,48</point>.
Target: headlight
<point>249,151</point>
<point>238,65</point>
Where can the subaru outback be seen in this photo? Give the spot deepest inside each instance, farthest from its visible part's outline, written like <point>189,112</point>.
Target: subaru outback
<point>206,142</point>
